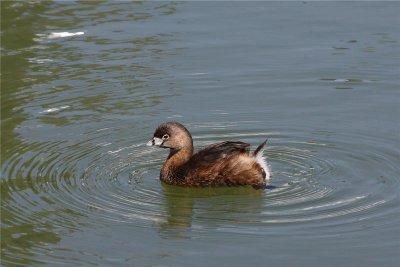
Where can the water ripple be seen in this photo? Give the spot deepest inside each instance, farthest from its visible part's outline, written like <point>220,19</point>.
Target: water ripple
<point>119,183</point>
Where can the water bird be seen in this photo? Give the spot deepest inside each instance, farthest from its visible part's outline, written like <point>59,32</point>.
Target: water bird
<point>228,163</point>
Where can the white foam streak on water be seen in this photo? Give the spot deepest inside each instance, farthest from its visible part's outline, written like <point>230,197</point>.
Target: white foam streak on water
<point>54,35</point>
<point>40,60</point>
<point>52,110</point>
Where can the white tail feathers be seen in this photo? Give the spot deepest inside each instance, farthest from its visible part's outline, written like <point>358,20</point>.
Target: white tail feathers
<point>260,149</point>
<point>258,154</point>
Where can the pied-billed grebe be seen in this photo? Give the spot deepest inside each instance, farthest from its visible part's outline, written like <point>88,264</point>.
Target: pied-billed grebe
<point>222,164</point>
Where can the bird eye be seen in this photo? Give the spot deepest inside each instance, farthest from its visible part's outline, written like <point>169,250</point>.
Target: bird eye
<point>165,136</point>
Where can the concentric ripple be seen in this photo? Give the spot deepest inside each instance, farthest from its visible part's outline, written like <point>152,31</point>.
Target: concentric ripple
<point>97,184</point>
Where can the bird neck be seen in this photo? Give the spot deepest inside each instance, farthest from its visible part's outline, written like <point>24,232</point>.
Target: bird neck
<point>174,163</point>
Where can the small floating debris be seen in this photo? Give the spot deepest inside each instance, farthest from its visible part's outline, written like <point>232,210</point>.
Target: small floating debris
<point>54,35</point>
<point>344,88</point>
<point>343,80</point>
<point>344,83</point>
<point>52,110</point>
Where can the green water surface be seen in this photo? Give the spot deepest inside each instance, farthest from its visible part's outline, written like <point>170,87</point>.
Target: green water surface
<point>85,83</point>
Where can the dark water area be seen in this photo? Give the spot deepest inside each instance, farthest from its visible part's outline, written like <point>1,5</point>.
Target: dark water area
<point>84,84</point>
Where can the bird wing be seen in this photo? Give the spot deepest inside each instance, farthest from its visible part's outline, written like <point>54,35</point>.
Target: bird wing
<point>218,164</point>
<point>216,152</point>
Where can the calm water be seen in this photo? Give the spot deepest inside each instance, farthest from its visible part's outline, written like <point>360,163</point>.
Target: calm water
<point>85,84</point>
